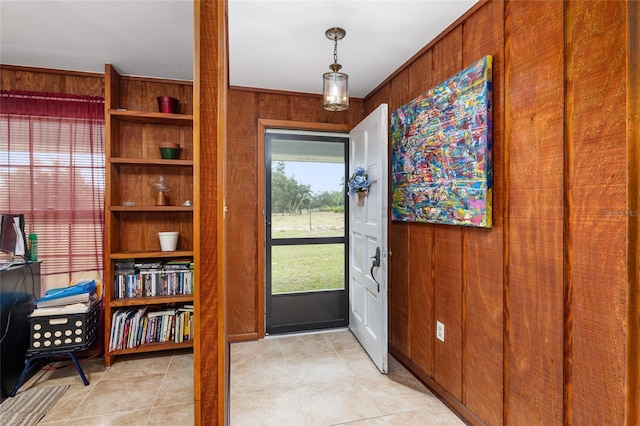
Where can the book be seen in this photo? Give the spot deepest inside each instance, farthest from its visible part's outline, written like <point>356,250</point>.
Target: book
<point>75,308</point>
<point>78,293</point>
<point>85,298</point>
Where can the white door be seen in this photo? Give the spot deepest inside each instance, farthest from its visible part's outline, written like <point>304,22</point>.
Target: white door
<point>368,238</point>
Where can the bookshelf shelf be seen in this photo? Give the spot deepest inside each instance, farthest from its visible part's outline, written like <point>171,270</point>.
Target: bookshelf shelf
<point>151,117</point>
<point>152,347</point>
<point>150,254</point>
<point>151,208</point>
<point>134,133</point>
<point>151,162</point>
<point>144,301</point>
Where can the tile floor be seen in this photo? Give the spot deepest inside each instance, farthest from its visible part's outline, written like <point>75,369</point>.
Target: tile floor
<point>301,380</point>
<point>154,389</point>
<point>325,379</point>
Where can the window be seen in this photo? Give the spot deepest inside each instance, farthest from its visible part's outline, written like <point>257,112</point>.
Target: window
<point>52,171</point>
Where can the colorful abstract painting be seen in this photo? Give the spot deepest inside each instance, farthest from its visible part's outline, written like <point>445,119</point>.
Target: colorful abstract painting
<point>441,155</point>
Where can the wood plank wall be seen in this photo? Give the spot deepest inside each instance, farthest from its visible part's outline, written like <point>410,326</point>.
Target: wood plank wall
<point>450,274</point>
<point>536,307</point>
<point>534,285</point>
<point>596,218</point>
<point>49,80</point>
<point>633,255</point>
<point>245,108</point>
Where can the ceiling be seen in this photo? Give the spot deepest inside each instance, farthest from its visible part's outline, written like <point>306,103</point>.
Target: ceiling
<point>273,44</point>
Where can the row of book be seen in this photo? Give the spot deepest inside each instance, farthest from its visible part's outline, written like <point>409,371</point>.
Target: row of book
<point>153,283</point>
<point>152,279</point>
<point>132,327</point>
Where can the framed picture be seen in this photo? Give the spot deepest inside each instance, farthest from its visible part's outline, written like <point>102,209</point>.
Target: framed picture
<point>441,152</point>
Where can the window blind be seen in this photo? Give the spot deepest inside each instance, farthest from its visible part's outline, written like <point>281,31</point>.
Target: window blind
<point>52,171</point>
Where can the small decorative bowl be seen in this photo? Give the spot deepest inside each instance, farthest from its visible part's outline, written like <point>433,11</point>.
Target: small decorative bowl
<point>169,153</point>
<point>167,104</point>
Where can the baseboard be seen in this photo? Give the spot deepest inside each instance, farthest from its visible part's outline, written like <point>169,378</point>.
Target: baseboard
<point>241,337</point>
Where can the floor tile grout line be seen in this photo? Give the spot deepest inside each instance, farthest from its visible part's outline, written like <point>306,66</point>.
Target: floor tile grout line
<point>360,420</point>
<point>164,378</point>
<point>87,395</point>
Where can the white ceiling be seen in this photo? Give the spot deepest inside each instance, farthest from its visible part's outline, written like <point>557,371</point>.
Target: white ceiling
<point>273,44</point>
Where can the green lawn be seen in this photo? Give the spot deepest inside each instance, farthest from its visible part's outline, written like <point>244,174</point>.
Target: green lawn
<point>307,267</point>
<point>316,224</point>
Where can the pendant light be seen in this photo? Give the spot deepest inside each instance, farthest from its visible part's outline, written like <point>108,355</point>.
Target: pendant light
<point>335,90</point>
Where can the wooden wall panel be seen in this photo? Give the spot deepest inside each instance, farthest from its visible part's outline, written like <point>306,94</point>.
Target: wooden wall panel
<point>381,96</point>
<point>93,86</point>
<point>633,255</point>
<point>420,75</point>
<point>448,248</point>
<point>308,108</point>
<point>484,260</point>
<point>274,106</point>
<point>534,136</point>
<point>242,215</point>
<point>448,308</point>
<point>421,288</point>
<point>399,90</point>
<point>399,288</point>
<point>48,80</point>
<point>596,251</point>
<point>141,94</point>
<point>421,322</point>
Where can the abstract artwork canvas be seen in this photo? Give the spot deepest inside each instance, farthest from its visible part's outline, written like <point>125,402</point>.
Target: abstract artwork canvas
<point>441,152</point>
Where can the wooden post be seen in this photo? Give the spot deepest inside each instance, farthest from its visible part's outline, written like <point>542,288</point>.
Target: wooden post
<point>211,354</point>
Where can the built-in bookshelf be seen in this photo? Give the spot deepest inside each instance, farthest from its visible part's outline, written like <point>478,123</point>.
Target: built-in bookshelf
<point>141,279</point>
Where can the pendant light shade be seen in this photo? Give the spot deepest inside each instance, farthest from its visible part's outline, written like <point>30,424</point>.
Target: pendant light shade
<point>335,84</point>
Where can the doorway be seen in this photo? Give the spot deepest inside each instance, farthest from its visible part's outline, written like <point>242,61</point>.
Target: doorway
<point>305,230</point>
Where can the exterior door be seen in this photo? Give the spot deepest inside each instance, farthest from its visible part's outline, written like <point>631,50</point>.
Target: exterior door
<point>305,230</point>
<point>368,238</point>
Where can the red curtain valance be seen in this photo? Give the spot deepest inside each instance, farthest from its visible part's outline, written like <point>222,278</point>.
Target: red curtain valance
<point>51,104</point>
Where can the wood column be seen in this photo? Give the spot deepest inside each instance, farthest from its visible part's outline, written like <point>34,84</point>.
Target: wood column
<point>211,349</point>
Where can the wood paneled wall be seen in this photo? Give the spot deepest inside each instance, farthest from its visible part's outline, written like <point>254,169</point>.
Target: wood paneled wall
<point>451,274</point>
<point>245,108</point>
<point>54,81</point>
<point>596,217</point>
<point>541,311</point>
<point>534,285</point>
<point>536,309</point>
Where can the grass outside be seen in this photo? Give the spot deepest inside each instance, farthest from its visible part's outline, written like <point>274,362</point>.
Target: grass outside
<point>307,267</point>
<point>307,224</point>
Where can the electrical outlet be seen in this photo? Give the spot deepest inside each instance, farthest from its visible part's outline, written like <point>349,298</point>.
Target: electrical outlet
<point>440,331</point>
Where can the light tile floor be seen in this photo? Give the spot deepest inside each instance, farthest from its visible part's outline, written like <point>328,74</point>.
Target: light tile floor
<point>301,380</point>
<point>325,379</point>
<point>141,390</point>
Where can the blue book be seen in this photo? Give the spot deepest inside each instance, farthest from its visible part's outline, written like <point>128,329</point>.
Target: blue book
<point>80,292</point>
